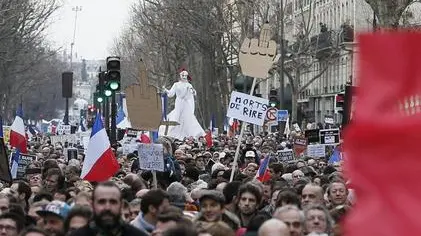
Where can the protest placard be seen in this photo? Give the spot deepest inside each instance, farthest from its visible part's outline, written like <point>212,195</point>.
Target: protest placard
<point>151,157</point>
<point>329,136</point>
<point>24,161</point>
<point>6,133</point>
<point>312,135</point>
<point>300,145</point>
<point>329,120</point>
<point>132,132</point>
<point>72,153</point>
<point>247,108</point>
<point>316,151</point>
<point>285,155</point>
<point>129,148</point>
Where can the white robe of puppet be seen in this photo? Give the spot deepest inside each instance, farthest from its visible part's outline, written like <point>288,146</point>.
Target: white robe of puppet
<point>183,113</point>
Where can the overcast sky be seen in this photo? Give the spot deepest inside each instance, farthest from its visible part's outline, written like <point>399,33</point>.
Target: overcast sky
<point>98,24</point>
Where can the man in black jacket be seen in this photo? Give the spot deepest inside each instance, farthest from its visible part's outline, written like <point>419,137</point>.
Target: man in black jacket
<point>107,220</point>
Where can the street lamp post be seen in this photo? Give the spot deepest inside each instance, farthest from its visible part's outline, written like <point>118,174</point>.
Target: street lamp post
<point>76,9</point>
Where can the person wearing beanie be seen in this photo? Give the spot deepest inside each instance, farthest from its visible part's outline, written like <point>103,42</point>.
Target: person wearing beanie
<point>177,195</point>
<point>212,209</point>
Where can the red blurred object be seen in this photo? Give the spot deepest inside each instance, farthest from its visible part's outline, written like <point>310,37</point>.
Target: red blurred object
<point>144,138</point>
<point>382,143</point>
<point>208,138</point>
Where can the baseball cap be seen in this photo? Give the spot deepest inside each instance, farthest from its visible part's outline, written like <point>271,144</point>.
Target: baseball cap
<point>58,208</point>
<point>250,154</point>
<point>212,194</point>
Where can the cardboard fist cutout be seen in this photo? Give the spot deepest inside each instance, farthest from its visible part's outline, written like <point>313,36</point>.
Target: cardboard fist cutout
<point>143,103</point>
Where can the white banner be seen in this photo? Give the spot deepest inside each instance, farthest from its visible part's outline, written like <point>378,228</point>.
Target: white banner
<point>70,138</point>
<point>247,108</point>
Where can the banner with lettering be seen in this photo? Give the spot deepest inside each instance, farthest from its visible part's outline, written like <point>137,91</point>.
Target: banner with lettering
<point>247,108</point>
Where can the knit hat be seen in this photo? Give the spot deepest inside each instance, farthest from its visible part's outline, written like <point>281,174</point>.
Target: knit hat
<point>212,194</point>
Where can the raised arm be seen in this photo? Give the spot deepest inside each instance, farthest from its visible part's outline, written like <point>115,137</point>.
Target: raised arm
<point>171,92</point>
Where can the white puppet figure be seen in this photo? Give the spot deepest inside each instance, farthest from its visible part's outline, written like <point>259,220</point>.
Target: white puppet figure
<point>183,112</point>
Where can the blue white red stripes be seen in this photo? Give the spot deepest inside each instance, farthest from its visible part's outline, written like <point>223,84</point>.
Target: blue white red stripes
<point>100,163</point>
<point>18,133</point>
<point>15,164</point>
<point>122,120</point>
<point>263,174</point>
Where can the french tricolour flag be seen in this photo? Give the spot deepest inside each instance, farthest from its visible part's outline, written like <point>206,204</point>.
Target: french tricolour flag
<point>15,163</point>
<point>122,120</point>
<point>100,162</point>
<point>263,174</point>
<point>17,132</point>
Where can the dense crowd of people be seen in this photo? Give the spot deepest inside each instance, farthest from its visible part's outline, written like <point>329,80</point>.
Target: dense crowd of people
<point>194,195</point>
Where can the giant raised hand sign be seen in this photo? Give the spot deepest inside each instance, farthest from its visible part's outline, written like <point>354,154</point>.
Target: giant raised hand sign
<point>143,103</point>
<point>257,56</point>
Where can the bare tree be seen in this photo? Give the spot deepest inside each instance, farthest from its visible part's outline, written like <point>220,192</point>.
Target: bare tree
<point>389,12</point>
<point>23,48</point>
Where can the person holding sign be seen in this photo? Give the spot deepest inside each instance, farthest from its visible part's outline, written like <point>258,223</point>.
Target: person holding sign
<point>183,112</point>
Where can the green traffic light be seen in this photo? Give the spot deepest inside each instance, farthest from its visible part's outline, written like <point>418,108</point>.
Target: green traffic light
<point>100,99</point>
<point>108,93</point>
<point>273,104</point>
<point>114,85</point>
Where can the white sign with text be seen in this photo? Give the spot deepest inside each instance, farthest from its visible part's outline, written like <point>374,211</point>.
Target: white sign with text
<point>151,157</point>
<point>247,108</point>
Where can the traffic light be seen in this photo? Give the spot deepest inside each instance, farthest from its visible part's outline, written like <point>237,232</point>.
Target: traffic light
<point>273,98</point>
<point>113,75</point>
<point>339,102</point>
<point>100,93</point>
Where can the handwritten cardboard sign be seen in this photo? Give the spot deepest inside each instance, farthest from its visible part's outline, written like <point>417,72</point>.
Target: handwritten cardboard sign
<point>151,157</point>
<point>143,103</point>
<point>247,108</point>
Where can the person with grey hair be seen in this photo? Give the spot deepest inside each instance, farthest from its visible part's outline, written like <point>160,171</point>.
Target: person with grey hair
<point>317,220</point>
<point>177,194</point>
<point>292,217</point>
<point>273,227</point>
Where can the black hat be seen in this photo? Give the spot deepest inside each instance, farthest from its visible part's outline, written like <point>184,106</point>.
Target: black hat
<point>192,172</point>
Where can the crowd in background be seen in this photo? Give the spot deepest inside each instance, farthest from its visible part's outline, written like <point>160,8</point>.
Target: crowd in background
<point>194,195</point>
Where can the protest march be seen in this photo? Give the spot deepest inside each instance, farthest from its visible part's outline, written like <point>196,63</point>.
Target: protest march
<point>201,124</point>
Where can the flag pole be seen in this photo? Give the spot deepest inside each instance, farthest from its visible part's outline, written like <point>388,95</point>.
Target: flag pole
<point>240,139</point>
<point>154,179</point>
